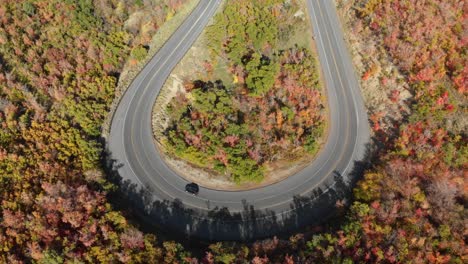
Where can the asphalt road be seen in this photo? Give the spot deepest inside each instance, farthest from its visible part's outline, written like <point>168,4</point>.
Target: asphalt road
<point>306,197</point>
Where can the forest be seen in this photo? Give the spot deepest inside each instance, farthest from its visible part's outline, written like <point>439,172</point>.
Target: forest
<point>59,66</point>
<point>410,205</point>
<point>273,104</point>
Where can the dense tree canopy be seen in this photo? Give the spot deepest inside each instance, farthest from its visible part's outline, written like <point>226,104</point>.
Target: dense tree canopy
<point>59,64</point>
<point>410,206</point>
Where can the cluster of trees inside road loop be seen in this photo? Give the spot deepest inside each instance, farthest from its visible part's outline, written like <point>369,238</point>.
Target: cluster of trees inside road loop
<point>273,106</point>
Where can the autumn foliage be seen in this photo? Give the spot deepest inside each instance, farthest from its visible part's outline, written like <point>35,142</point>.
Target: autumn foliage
<point>59,64</point>
<point>272,110</point>
<point>410,206</point>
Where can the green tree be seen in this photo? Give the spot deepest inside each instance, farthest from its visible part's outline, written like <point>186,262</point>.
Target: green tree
<point>261,74</point>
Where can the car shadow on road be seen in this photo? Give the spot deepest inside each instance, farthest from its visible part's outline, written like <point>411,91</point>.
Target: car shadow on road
<point>176,221</point>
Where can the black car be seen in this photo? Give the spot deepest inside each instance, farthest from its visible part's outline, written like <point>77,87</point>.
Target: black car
<point>192,188</point>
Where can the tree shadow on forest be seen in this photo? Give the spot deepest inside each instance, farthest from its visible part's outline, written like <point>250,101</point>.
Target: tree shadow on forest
<point>176,221</point>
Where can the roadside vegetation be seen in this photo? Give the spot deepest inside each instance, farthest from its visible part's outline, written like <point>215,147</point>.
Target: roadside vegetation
<point>410,206</point>
<point>258,102</point>
<point>59,66</point>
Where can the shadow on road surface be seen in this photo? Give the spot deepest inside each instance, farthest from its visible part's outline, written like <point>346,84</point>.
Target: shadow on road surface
<point>177,221</point>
